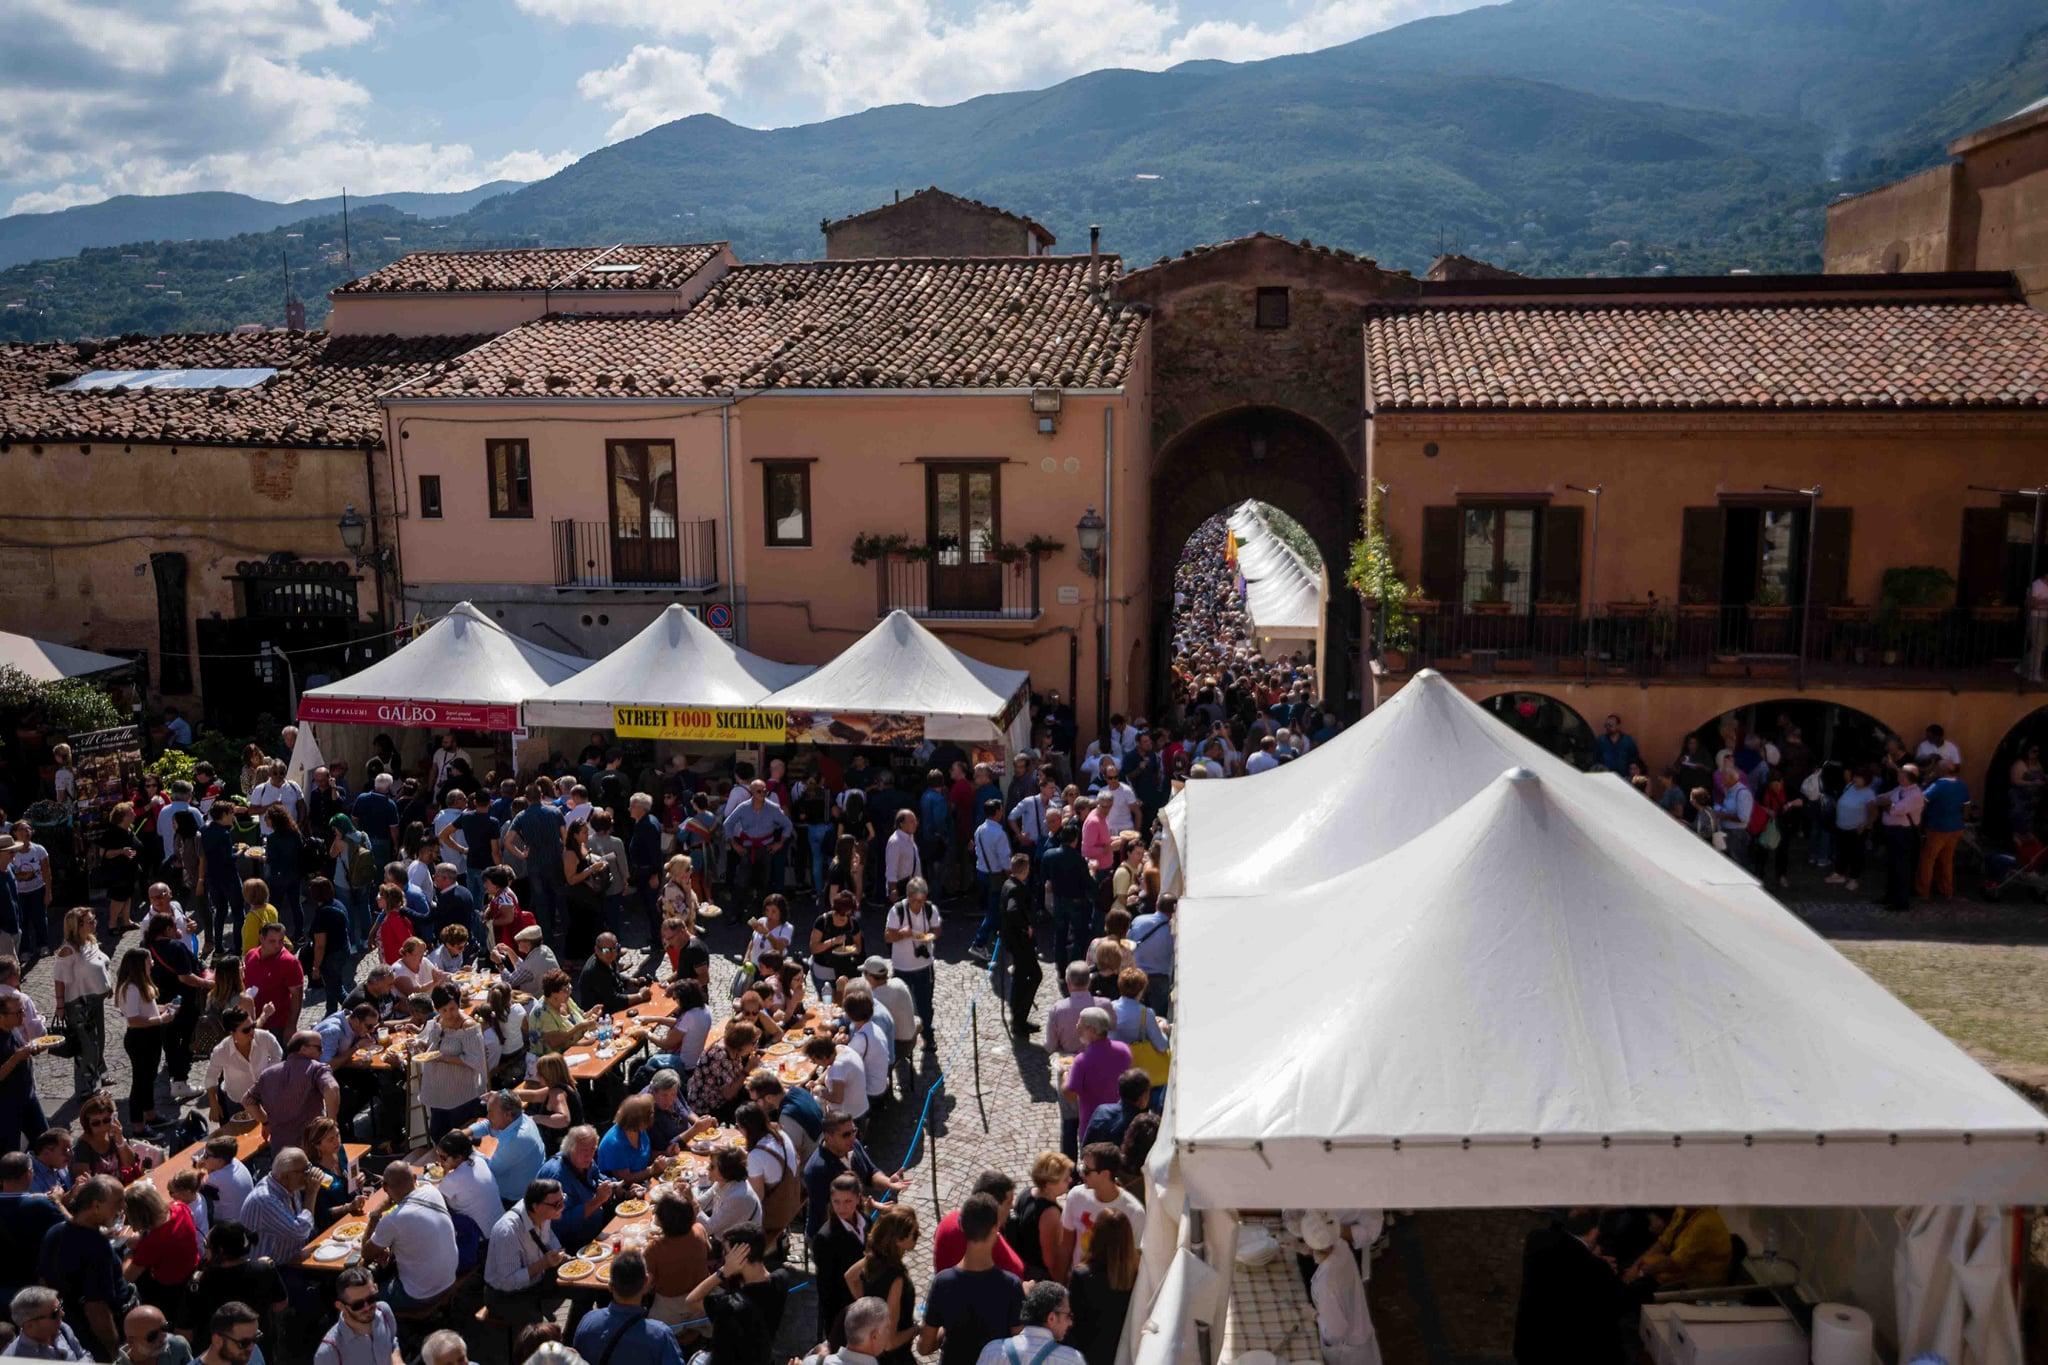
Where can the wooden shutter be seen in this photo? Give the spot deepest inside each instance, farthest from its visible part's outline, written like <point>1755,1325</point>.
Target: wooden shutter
<point>1830,551</point>
<point>1982,570</point>
<point>1560,555</point>
<point>1699,555</point>
<point>1442,542</point>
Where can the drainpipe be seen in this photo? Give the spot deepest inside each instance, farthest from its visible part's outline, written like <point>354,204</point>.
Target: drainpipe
<point>731,533</point>
<point>1108,549</point>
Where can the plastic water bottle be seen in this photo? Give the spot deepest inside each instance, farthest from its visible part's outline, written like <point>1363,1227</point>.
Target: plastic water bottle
<point>825,993</point>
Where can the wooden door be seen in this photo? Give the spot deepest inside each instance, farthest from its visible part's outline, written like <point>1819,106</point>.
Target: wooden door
<point>963,519</point>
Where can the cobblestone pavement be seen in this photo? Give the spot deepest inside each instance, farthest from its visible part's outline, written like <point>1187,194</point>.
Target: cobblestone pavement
<point>1004,1123</point>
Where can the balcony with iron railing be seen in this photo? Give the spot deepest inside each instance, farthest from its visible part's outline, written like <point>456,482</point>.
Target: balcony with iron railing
<point>594,554</point>
<point>932,589</point>
<point>1904,646</point>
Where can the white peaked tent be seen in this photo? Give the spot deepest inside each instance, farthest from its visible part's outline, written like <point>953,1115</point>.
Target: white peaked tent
<point>901,668</point>
<point>1540,1013</point>
<point>1283,599</point>
<point>1525,1009</point>
<point>48,662</point>
<point>465,672</point>
<point>676,661</point>
<point>1416,758</point>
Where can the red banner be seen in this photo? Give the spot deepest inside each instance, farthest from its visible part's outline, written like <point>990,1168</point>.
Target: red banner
<point>427,715</point>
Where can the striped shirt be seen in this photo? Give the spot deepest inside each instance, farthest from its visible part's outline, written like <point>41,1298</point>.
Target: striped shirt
<point>279,1220</point>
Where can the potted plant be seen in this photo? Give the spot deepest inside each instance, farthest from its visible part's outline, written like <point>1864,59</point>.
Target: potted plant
<point>1492,600</point>
<point>1912,599</point>
<point>1557,606</point>
<point>1770,604</point>
<point>1992,609</point>
<point>1375,575</point>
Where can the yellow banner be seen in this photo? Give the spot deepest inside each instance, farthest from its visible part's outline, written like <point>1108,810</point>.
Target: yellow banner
<point>743,725</point>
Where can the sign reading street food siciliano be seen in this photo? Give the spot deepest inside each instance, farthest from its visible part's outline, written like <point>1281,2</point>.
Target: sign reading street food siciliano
<point>762,725</point>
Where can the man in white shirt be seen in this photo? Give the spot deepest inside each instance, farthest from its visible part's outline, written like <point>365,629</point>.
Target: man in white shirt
<point>900,860</point>
<point>1030,819</point>
<point>414,1233</point>
<point>1100,1162</point>
<point>468,1187</point>
<point>911,929</point>
<point>444,757</point>
<point>237,1060</point>
<point>525,1251</point>
<point>893,996</point>
<point>1119,804</point>
<point>844,1082</point>
<point>274,790</point>
<point>454,851</point>
<point>1938,745</point>
<point>166,829</point>
<point>866,1041</point>
<point>1264,758</point>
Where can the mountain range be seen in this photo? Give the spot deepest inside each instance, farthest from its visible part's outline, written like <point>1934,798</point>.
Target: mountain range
<point>207,213</point>
<point>1552,136</point>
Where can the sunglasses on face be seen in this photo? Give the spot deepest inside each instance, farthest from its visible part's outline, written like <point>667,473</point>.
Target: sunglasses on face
<point>248,1342</point>
<point>360,1305</point>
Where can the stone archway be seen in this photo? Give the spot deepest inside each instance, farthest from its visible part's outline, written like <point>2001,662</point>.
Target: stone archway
<point>1282,458</point>
<point>1554,724</point>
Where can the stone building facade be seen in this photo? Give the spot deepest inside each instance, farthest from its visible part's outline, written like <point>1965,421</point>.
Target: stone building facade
<point>932,222</point>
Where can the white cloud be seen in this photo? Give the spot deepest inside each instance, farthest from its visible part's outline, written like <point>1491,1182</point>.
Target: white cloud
<point>104,97</point>
<point>62,196</point>
<point>806,59</point>
<point>653,85</point>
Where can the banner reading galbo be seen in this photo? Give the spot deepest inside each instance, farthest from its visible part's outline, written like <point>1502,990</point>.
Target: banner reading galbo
<point>761,725</point>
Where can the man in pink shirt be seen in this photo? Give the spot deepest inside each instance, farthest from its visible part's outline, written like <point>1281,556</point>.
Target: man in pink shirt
<point>1092,1078</point>
<point>1095,838</point>
<point>273,975</point>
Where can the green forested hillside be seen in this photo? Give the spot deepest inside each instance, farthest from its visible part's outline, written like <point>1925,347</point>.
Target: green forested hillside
<point>1550,136</point>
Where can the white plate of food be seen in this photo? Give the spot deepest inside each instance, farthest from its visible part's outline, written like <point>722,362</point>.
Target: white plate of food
<point>576,1058</point>
<point>582,1268</point>
<point>327,1253</point>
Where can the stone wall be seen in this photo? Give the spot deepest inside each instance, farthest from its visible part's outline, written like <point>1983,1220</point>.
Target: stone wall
<point>928,225</point>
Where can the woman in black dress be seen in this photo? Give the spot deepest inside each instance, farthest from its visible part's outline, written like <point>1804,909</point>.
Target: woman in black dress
<point>1100,1288</point>
<point>120,863</point>
<point>880,1274</point>
<point>583,872</point>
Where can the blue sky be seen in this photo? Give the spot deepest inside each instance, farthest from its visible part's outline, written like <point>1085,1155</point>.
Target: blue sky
<point>293,98</point>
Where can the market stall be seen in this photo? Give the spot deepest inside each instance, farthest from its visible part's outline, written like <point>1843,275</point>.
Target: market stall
<point>464,673</point>
<point>677,662</point>
<point>1283,597</point>
<point>898,685</point>
<point>1525,1005</point>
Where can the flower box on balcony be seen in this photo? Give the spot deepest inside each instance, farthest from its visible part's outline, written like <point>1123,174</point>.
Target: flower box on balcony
<point>1759,612</point>
<point>1918,615</point>
<point>1847,614</point>
<point>1455,663</point>
<point>1990,615</point>
<point>1726,667</point>
<point>1698,611</point>
<point>1490,608</point>
<point>1557,611</point>
<point>1630,610</point>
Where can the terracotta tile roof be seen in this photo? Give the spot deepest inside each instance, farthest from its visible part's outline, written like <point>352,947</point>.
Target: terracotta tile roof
<point>1750,354</point>
<point>863,324</point>
<point>323,395</point>
<point>1037,229</point>
<point>572,267</point>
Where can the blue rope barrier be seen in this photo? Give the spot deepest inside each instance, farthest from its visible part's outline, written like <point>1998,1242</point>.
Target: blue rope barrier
<point>917,1133</point>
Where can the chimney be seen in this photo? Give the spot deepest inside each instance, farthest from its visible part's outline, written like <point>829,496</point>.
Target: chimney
<point>1094,251</point>
<point>899,197</point>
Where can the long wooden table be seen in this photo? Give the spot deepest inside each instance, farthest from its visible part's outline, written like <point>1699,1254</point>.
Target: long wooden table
<point>248,1136</point>
<point>376,1202</point>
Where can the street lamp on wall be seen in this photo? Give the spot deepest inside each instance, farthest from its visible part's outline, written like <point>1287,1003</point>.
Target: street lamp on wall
<point>355,530</point>
<point>1088,535</point>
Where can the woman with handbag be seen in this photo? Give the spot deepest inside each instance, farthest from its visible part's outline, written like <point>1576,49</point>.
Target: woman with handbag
<point>81,978</point>
<point>1137,1027</point>
<point>120,865</point>
<point>587,877</point>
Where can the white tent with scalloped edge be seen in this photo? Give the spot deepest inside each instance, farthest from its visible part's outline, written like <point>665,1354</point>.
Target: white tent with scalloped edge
<point>1525,1005</point>
<point>901,668</point>
<point>676,661</point>
<point>464,672</point>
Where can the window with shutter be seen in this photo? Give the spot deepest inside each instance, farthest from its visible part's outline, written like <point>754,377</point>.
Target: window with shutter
<point>1699,554</point>
<point>1563,535</point>
<point>1441,537</point>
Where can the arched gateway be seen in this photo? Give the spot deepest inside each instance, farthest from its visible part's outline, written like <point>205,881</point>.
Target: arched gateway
<point>1257,385</point>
